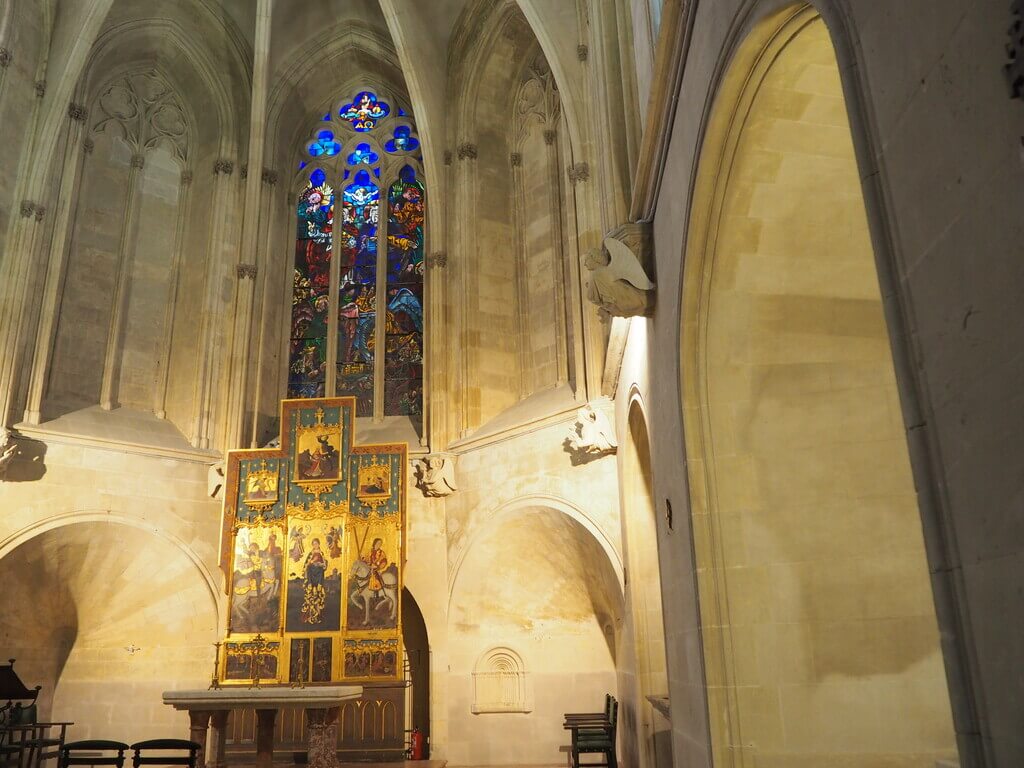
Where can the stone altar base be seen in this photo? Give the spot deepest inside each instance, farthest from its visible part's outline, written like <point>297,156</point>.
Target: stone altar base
<point>210,708</point>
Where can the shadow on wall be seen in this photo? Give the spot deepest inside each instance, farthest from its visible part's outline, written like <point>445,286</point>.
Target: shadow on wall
<point>28,463</point>
<point>106,617</point>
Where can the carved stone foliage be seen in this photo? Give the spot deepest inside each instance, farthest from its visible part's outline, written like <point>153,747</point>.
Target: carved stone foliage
<point>618,281</point>
<point>8,448</point>
<point>591,436</point>
<point>536,102</point>
<point>144,111</point>
<point>435,475</point>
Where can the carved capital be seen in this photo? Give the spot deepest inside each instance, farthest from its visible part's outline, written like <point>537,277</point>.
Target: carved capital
<point>27,208</point>
<point>244,173</point>
<point>582,52</point>
<point>88,146</point>
<point>467,151</point>
<point>40,88</point>
<point>578,173</point>
<point>246,271</point>
<point>549,136</point>
<point>77,112</point>
<point>437,260</point>
<point>139,161</point>
<point>515,159</point>
<point>186,177</point>
<point>447,157</point>
<point>6,57</point>
<point>224,166</point>
<point>39,212</point>
<point>269,177</point>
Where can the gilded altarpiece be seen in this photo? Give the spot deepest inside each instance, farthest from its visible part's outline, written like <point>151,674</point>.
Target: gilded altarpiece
<point>313,548</point>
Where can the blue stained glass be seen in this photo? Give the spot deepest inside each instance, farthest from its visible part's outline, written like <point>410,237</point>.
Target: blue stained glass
<point>317,177</point>
<point>362,154</point>
<point>403,140</point>
<point>303,164</point>
<point>365,111</point>
<point>327,117</point>
<point>401,112</point>
<point>324,145</point>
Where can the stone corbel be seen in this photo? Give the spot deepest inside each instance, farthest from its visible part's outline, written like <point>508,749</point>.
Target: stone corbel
<point>619,283</point>
<point>245,271</point>
<point>435,475</point>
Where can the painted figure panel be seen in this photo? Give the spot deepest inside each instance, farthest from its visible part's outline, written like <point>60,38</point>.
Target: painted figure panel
<point>256,580</point>
<point>371,658</point>
<point>314,576</point>
<point>322,659</point>
<point>298,660</point>
<point>318,453</point>
<point>403,370</point>
<point>373,581</point>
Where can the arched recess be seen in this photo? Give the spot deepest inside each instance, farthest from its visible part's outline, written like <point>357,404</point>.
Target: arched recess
<point>646,733</point>
<point>819,629</point>
<point>417,650</point>
<point>106,614</point>
<point>536,583</point>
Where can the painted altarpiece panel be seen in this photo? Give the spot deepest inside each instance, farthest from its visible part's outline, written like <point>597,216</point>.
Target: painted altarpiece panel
<point>313,545</point>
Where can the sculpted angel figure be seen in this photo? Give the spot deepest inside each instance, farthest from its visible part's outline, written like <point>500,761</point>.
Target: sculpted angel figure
<point>7,450</point>
<point>592,434</point>
<point>436,476</point>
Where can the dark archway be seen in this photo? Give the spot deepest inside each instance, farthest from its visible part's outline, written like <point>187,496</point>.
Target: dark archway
<point>417,650</point>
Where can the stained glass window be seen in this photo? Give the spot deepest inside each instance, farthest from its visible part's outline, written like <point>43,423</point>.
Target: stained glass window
<point>357,291</point>
<point>402,141</point>
<point>403,361</point>
<point>365,111</point>
<point>372,162</point>
<point>363,155</point>
<point>307,364</point>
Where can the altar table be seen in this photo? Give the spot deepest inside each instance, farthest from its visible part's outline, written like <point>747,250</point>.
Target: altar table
<point>210,708</point>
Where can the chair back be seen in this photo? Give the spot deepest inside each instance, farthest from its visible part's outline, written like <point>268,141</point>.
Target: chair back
<point>172,752</point>
<point>613,718</point>
<point>93,752</point>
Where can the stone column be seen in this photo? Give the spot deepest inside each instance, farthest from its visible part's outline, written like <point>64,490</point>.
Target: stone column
<point>198,721</point>
<point>265,275</point>
<point>464,239</point>
<point>241,343</point>
<point>125,264</point>
<point>184,197</point>
<point>265,719</point>
<point>521,273</point>
<point>322,742</point>
<point>554,187</point>
<point>6,57</point>
<point>208,367</point>
<point>60,246</point>
<point>219,722</point>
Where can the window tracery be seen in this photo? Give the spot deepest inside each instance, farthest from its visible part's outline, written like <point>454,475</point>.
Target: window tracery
<point>368,157</point>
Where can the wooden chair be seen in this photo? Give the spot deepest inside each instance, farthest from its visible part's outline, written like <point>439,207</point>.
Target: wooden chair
<point>24,741</point>
<point>595,736</point>
<point>93,752</point>
<point>171,752</point>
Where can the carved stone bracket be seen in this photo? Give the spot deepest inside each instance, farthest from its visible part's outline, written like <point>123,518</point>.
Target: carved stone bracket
<point>224,166</point>
<point>40,88</point>
<point>467,151</point>
<point>8,448</point>
<point>246,271</point>
<point>590,437</point>
<point>138,161</point>
<point>515,159</point>
<point>437,260</point>
<point>579,172</point>
<point>78,112</point>
<point>1014,69</point>
<point>435,475</point>
<point>619,283</point>
<point>6,57</point>
<point>269,177</point>
<point>582,52</point>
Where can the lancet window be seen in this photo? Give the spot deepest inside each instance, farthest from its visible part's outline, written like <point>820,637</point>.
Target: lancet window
<point>360,168</point>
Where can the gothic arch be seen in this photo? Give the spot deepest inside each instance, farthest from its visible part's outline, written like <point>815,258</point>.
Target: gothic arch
<point>747,479</point>
<point>759,20</point>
